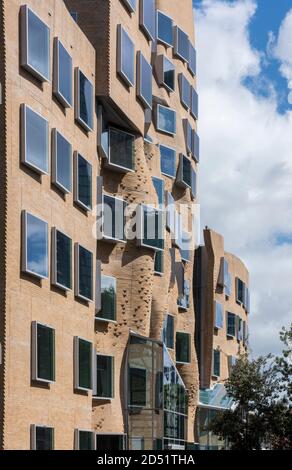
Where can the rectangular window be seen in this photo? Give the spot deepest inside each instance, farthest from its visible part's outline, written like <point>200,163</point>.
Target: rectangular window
<point>84,273</point>
<point>83,364</point>
<point>74,15</point>
<point>184,175</point>
<point>218,323</point>
<point>183,301</point>
<point>84,440</point>
<point>62,162</point>
<point>104,377</point>
<point>62,260</point>
<point>137,386</point>
<point>110,442</point>
<point>192,60</point>
<point>193,183</point>
<point>34,246</point>
<point>126,57</point>
<point>102,133</point>
<point>121,150</point>
<point>195,146</point>
<point>114,219</point>
<point>165,120</point>
<point>158,262</point>
<point>239,290</point>
<point>159,188</point>
<point>84,101</point>
<point>168,331</point>
<point>188,131</point>
<point>108,299</point>
<point>34,140</point>
<point>167,161</point>
<point>35,45</point>
<point>170,212</point>
<point>228,286</point>
<point>43,353</point>
<point>63,83</point>
<point>83,182</point>
<point>144,80</point>
<point>183,347</point>
<point>239,329</point>
<point>147,18</point>
<point>216,363</point>
<point>194,103</point>
<point>165,71</point>
<point>185,246</point>
<point>42,437</point>
<point>130,4</point>
<point>231,324</point>
<point>164,29</point>
<point>185,91</point>
<point>181,44</point>
<point>247,292</point>
<point>150,227</point>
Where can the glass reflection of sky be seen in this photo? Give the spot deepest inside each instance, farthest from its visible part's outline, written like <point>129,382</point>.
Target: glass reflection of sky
<point>37,246</point>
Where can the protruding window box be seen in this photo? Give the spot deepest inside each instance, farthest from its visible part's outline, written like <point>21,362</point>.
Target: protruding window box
<point>41,437</point>
<point>192,65</point>
<point>107,311</point>
<point>147,18</point>
<point>188,135</point>
<point>83,364</point>
<point>144,81</point>
<point>102,133</point>
<point>62,162</point>
<point>104,382</point>
<point>185,91</point>
<point>61,260</point>
<point>158,184</point>
<point>83,273</point>
<point>121,152</point>
<point>84,440</point>
<point>82,182</point>
<point>165,120</point>
<point>194,103</point>
<point>34,246</point>
<point>181,44</point>
<point>63,71</point>
<point>195,146</point>
<point>125,57</point>
<point>184,174</point>
<point>150,227</point>
<point>84,100</point>
<point>164,29</point>
<point>43,353</point>
<point>113,219</point>
<point>34,140</point>
<point>165,71</point>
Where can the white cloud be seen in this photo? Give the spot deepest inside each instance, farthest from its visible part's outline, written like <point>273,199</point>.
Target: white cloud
<point>283,48</point>
<point>246,163</point>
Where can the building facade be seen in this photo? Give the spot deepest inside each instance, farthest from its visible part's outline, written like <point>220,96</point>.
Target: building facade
<point>98,144</point>
<point>222,306</point>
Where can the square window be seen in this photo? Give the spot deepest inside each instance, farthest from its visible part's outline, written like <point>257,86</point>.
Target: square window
<point>167,161</point>
<point>194,103</point>
<point>62,162</point>
<point>83,364</point>
<point>126,57</point>
<point>108,299</point>
<point>84,440</point>
<point>34,140</point>
<point>195,146</point>
<point>35,45</point>
<point>84,101</point>
<point>188,131</point>
<point>192,60</point>
<point>147,18</point>
<point>104,377</point>
<point>144,80</point>
<point>181,44</point>
<point>62,86</point>
<point>34,246</point>
<point>62,260</point>
<point>130,4</point>
<point>183,348</point>
<point>185,91</point>
<point>83,183</point>
<point>165,120</point>
<point>158,263</point>
<point>216,363</point>
<point>150,227</point>
<point>159,188</point>
<point>114,219</point>
<point>164,29</point>
<point>121,150</point>
<point>43,353</point>
<point>42,437</point>
<point>184,175</point>
<point>137,387</point>
<point>218,321</point>
<point>168,331</point>
<point>84,273</point>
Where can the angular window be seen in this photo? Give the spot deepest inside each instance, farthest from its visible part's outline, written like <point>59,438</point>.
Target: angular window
<point>150,227</point>
<point>62,260</point>
<point>83,364</point>
<point>42,437</point>
<point>239,290</point>
<point>110,442</point>
<point>181,44</point>
<point>192,60</point>
<point>231,324</point>
<point>84,440</point>
<point>43,353</point>
<point>84,101</point>
<point>114,219</point>
<point>159,188</point>
<point>144,81</point>
<point>35,140</point>
<point>84,273</point>
<point>194,103</point>
<point>188,131</point>
<point>121,150</point>
<point>195,146</point>
<point>108,299</point>
<point>130,4</point>
<point>63,83</point>
<point>165,120</point>
<point>137,386</point>
<point>184,175</point>
<point>104,377</point>
<point>216,363</point>
<point>147,18</point>
<point>183,347</point>
<point>167,161</point>
<point>62,162</point>
<point>218,320</point>
<point>83,182</point>
<point>164,29</point>
<point>185,91</point>
<point>168,331</point>
<point>34,246</point>
<point>126,57</point>
<point>165,71</point>
<point>158,262</point>
<point>35,45</point>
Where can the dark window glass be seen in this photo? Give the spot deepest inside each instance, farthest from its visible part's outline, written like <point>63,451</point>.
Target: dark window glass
<point>164,29</point>
<point>216,362</point>
<point>193,183</point>
<point>85,97</point>
<point>64,75</point>
<point>137,384</point>
<point>239,290</point>
<point>36,145</point>
<point>182,44</point>
<point>182,347</point>
<point>121,148</point>
<point>110,442</point>
<point>145,81</point>
<point>126,57</point>
<point>194,103</point>
<point>185,91</point>
<point>158,262</point>
<point>159,188</point>
<point>184,177</point>
<point>153,228</point>
<point>169,331</point>
<point>114,218</point>
<point>231,325</point>
<point>36,246</point>
<point>104,376</point>
<point>108,298</point>
<point>62,163</point>
<point>74,15</point>
<point>196,146</point>
<point>188,135</point>
<point>184,299</point>
<point>148,18</point>
<point>85,364</point>
<point>218,315</point>
<point>193,60</point>
<point>168,74</point>
<point>44,438</point>
<point>166,120</point>
<point>85,440</point>
<point>38,46</point>
<point>45,353</point>
<point>84,183</point>
<point>167,161</point>
<point>63,260</point>
<point>85,273</point>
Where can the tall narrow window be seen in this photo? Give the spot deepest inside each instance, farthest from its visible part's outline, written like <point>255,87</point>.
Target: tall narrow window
<point>193,60</point>
<point>231,324</point>
<point>63,70</point>
<point>239,290</point>
<point>43,353</point>
<point>150,227</point>
<point>83,364</point>
<point>137,386</point>
<point>164,29</point>
<point>159,262</point>
<point>183,347</point>
<point>188,135</point>
<point>168,331</point>
<point>104,377</point>
<point>34,140</point>
<point>84,101</point>
<point>62,162</point>
<point>159,188</point>
<point>62,260</point>
<point>147,18</point>
<point>218,320</point>
<point>181,44</point>
<point>84,273</point>
<point>121,150</point>
<point>126,57</point>
<point>114,219</point>
<point>83,182</point>
<point>165,71</point>
<point>185,91</point>
<point>195,146</point>
<point>165,120</point>
<point>216,363</point>
<point>108,299</point>
<point>84,440</point>
<point>42,437</point>
<point>194,103</point>
<point>144,80</point>
<point>184,175</point>
<point>34,245</point>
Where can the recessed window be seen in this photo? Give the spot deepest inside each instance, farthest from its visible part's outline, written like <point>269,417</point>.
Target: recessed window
<point>168,331</point>
<point>150,227</point>
<point>144,81</point>
<point>104,377</point>
<point>137,387</point>
<point>84,440</point>
<point>35,140</point>
<point>62,162</point>
<point>147,18</point>
<point>167,161</point>
<point>181,44</point>
<point>110,441</point>
<point>34,245</point>
<point>184,175</point>
<point>62,74</point>
<point>114,219</point>
<point>84,101</point>
<point>158,263</point>
<point>62,260</point>
<point>170,212</point>
<point>126,57</point>
<point>84,273</point>
<point>121,150</point>
<point>188,131</point>
<point>185,91</point>
<point>183,347</point>
<point>165,120</point>
<point>35,45</point>
<point>164,29</point>
<point>194,103</point>
<point>108,298</point>
<point>218,321</point>
<point>192,60</point>
<point>158,184</point>
<point>83,182</point>
<point>43,353</point>
<point>165,71</point>
<point>195,146</point>
<point>130,4</point>
<point>216,363</point>
<point>185,246</point>
<point>239,284</point>
<point>42,437</point>
<point>83,364</point>
<point>231,324</point>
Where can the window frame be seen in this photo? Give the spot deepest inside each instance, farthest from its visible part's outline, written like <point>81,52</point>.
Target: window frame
<point>107,238</point>
<point>56,75</point>
<point>195,146</point>
<point>228,334</point>
<point>192,48</point>
<point>54,260</point>
<point>78,117</point>
<point>121,73</point>
<point>140,59</point>
<point>159,39</point>
<point>194,112</point>
<point>40,171</point>
<point>34,353</point>
<point>140,226</point>
<point>189,347</point>
<point>160,72</point>
<point>160,129</point>
<point>33,437</point>
<point>55,133</point>
<point>150,35</point>
<point>188,134</point>
<point>77,273</point>
<point>183,81</point>
<point>94,392</point>
<point>176,44</point>
<point>174,154</point>
<point>77,438</point>
<point>24,267</point>
<point>213,363</point>
<point>180,181</point>
<point>129,5</point>
<point>77,386</point>
<point>115,166</point>
<point>76,182</point>
<point>104,319</point>
<point>216,327</point>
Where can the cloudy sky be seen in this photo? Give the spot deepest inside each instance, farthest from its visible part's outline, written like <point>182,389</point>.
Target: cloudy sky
<point>245,91</point>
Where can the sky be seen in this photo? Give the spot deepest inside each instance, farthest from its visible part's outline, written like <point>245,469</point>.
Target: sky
<point>244,70</point>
